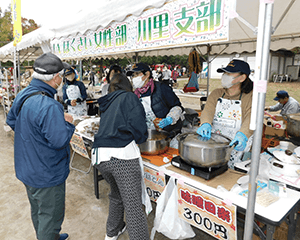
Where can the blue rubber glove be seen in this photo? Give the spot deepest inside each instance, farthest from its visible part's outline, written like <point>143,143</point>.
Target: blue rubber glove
<point>205,130</point>
<point>241,139</point>
<point>165,122</point>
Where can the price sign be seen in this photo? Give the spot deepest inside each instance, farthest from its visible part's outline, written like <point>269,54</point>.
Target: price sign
<point>154,181</point>
<point>207,212</point>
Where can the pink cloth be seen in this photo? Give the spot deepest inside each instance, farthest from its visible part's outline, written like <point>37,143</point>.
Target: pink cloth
<point>145,88</point>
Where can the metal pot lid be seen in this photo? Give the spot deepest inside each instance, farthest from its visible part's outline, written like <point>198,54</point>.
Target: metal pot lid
<point>216,140</point>
<point>287,156</point>
<point>294,116</point>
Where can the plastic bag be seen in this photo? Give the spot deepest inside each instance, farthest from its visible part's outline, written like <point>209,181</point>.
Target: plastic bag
<point>166,219</point>
<point>145,197</point>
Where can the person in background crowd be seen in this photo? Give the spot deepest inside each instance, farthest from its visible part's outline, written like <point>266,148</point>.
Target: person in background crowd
<point>158,99</point>
<point>159,74</point>
<point>155,75</point>
<point>228,109</point>
<point>92,78</point>
<point>74,94</point>
<point>112,71</point>
<point>174,76</point>
<point>286,104</point>
<point>167,76</point>
<point>115,150</point>
<point>183,70</point>
<point>42,139</point>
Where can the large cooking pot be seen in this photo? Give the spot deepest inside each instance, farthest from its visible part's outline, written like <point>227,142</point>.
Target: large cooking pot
<point>200,151</point>
<point>293,124</point>
<point>157,143</point>
<point>286,163</point>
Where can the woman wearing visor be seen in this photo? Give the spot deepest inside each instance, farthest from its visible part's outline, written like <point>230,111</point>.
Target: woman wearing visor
<point>228,109</point>
<point>159,100</point>
<point>74,94</point>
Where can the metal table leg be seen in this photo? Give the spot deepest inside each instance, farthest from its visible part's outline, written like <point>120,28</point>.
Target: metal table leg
<point>292,222</point>
<point>97,178</point>
<point>270,232</point>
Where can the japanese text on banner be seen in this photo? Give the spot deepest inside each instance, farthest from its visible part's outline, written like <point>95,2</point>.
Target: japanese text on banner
<point>177,23</point>
<point>17,22</point>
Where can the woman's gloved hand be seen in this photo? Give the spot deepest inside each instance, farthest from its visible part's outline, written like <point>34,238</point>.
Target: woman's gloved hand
<point>241,139</point>
<point>165,122</point>
<point>205,130</point>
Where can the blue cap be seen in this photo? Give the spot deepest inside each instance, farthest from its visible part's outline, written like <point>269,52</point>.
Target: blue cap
<point>69,71</point>
<point>138,67</point>
<point>235,66</point>
<point>281,95</point>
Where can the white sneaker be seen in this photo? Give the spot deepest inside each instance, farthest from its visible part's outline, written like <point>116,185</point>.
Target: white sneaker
<point>115,237</point>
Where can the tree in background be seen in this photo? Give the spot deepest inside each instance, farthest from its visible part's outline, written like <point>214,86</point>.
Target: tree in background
<point>6,26</point>
<point>6,35</point>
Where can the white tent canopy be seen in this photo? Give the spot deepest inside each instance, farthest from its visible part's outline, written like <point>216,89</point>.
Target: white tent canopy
<point>241,37</point>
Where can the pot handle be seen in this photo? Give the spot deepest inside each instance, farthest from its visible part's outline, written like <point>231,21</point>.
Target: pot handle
<point>173,133</point>
<point>182,136</point>
<point>228,153</point>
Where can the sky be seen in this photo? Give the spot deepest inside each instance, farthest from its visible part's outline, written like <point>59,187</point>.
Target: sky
<point>46,12</point>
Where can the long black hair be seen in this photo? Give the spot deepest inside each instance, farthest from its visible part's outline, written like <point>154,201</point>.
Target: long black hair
<point>120,82</point>
<point>114,67</point>
<point>247,85</point>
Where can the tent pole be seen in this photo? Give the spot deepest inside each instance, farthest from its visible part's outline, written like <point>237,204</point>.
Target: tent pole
<point>283,15</point>
<point>261,87</point>
<point>208,69</point>
<point>19,72</point>
<point>15,71</point>
<point>80,72</point>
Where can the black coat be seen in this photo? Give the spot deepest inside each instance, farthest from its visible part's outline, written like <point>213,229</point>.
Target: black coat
<point>122,120</point>
<point>162,100</point>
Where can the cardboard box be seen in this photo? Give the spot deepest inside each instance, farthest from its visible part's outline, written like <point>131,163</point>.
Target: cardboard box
<point>274,131</point>
<point>279,118</point>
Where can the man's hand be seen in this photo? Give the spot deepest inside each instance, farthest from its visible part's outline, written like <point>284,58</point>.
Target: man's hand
<point>68,117</point>
<point>73,102</point>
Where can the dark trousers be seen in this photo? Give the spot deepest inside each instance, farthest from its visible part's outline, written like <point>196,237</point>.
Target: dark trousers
<point>124,178</point>
<point>47,210</point>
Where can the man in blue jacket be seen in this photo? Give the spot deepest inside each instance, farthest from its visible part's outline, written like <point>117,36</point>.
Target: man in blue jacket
<point>42,153</point>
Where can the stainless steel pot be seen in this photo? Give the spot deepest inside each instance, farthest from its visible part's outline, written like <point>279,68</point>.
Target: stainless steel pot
<point>199,151</point>
<point>286,163</point>
<point>293,124</point>
<point>157,143</point>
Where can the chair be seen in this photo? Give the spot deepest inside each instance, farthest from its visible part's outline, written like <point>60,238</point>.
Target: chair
<point>280,77</point>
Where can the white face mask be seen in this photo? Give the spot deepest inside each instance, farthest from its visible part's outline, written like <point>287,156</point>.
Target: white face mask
<point>227,80</point>
<point>60,86</point>
<point>69,77</point>
<point>137,82</point>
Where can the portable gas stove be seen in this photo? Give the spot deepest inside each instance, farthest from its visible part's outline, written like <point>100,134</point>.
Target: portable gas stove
<point>204,172</point>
